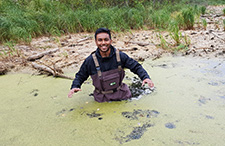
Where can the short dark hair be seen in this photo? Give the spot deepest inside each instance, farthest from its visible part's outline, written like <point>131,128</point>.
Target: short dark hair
<point>100,30</point>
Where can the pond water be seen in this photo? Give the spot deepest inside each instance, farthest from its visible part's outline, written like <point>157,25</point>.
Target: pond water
<point>186,108</point>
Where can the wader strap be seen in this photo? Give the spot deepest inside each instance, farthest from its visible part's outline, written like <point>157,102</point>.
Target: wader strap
<point>97,65</point>
<point>107,92</point>
<point>118,59</point>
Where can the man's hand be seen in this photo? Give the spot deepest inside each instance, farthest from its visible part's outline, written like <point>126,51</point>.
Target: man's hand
<point>73,91</point>
<point>149,82</point>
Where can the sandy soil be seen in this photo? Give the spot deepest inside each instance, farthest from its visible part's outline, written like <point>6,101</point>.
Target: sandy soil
<point>66,53</point>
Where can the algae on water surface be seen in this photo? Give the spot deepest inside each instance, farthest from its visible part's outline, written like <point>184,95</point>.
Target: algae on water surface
<point>187,108</point>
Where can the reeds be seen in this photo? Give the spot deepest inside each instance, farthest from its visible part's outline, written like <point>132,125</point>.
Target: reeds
<point>203,10</point>
<point>204,23</point>
<point>223,24</point>
<point>24,20</point>
<point>188,17</point>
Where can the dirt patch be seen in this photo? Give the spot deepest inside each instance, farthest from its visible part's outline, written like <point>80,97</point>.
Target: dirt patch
<point>66,53</point>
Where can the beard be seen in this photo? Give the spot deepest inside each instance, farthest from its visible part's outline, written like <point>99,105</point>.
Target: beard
<point>104,51</point>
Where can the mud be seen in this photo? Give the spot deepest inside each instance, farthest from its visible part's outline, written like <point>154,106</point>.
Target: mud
<point>74,48</point>
<point>137,90</point>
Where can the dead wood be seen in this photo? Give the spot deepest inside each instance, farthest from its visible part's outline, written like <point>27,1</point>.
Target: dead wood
<point>42,54</point>
<point>127,49</point>
<point>81,40</point>
<point>139,43</point>
<point>68,64</point>
<point>84,39</point>
<point>211,31</point>
<point>49,70</point>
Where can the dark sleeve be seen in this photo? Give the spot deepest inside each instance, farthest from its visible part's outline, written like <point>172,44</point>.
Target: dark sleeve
<point>81,75</point>
<point>134,66</point>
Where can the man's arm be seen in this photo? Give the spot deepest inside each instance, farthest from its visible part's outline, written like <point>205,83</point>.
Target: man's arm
<point>80,77</point>
<point>149,82</point>
<point>72,91</point>
<point>136,68</point>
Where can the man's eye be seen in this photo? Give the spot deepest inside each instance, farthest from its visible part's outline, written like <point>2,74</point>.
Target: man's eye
<point>99,40</point>
<point>106,39</point>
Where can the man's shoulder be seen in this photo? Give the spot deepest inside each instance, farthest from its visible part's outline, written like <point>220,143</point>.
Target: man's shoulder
<point>90,57</point>
<point>123,54</point>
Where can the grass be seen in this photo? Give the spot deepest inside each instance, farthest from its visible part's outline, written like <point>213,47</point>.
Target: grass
<point>223,24</point>
<point>175,34</point>
<point>21,21</point>
<point>9,50</point>
<point>203,10</point>
<point>204,23</point>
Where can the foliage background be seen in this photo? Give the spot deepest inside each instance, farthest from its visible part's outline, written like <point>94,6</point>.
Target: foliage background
<point>22,20</point>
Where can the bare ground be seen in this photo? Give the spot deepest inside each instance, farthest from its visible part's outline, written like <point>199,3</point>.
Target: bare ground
<point>55,55</point>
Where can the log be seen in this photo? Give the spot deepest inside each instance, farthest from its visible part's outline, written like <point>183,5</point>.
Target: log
<point>49,70</point>
<point>42,54</point>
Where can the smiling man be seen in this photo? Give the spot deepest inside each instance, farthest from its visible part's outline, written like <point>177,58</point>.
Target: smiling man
<point>105,66</point>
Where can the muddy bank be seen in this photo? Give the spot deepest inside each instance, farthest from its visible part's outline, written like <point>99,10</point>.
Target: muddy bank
<point>55,55</point>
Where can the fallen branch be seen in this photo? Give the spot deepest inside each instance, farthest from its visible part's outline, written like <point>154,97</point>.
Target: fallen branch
<point>127,49</point>
<point>50,70</point>
<point>81,40</point>
<point>216,35</point>
<point>42,54</point>
<point>68,64</point>
<point>139,43</point>
<point>84,39</point>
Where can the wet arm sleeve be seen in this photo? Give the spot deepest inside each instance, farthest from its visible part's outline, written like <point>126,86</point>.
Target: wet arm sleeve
<point>134,66</point>
<point>80,76</point>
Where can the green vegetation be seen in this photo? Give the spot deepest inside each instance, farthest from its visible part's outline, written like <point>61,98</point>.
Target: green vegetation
<point>163,42</point>
<point>10,51</point>
<point>204,22</point>
<point>224,12</point>
<point>175,34</point>
<point>22,20</point>
<point>203,10</point>
<point>223,24</point>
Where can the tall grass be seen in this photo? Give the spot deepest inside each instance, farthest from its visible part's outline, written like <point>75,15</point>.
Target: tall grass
<point>204,23</point>
<point>22,20</point>
<point>203,10</point>
<point>223,24</point>
<point>189,19</point>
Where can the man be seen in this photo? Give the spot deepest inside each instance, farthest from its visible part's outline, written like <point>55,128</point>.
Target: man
<point>105,66</point>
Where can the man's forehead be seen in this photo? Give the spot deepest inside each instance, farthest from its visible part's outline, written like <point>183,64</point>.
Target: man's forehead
<point>103,35</point>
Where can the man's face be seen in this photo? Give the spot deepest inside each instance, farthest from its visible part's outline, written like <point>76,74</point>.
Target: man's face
<point>103,41</point>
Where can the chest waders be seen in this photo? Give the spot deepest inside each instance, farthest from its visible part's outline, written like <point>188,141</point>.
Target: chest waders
<point>108,84</point>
